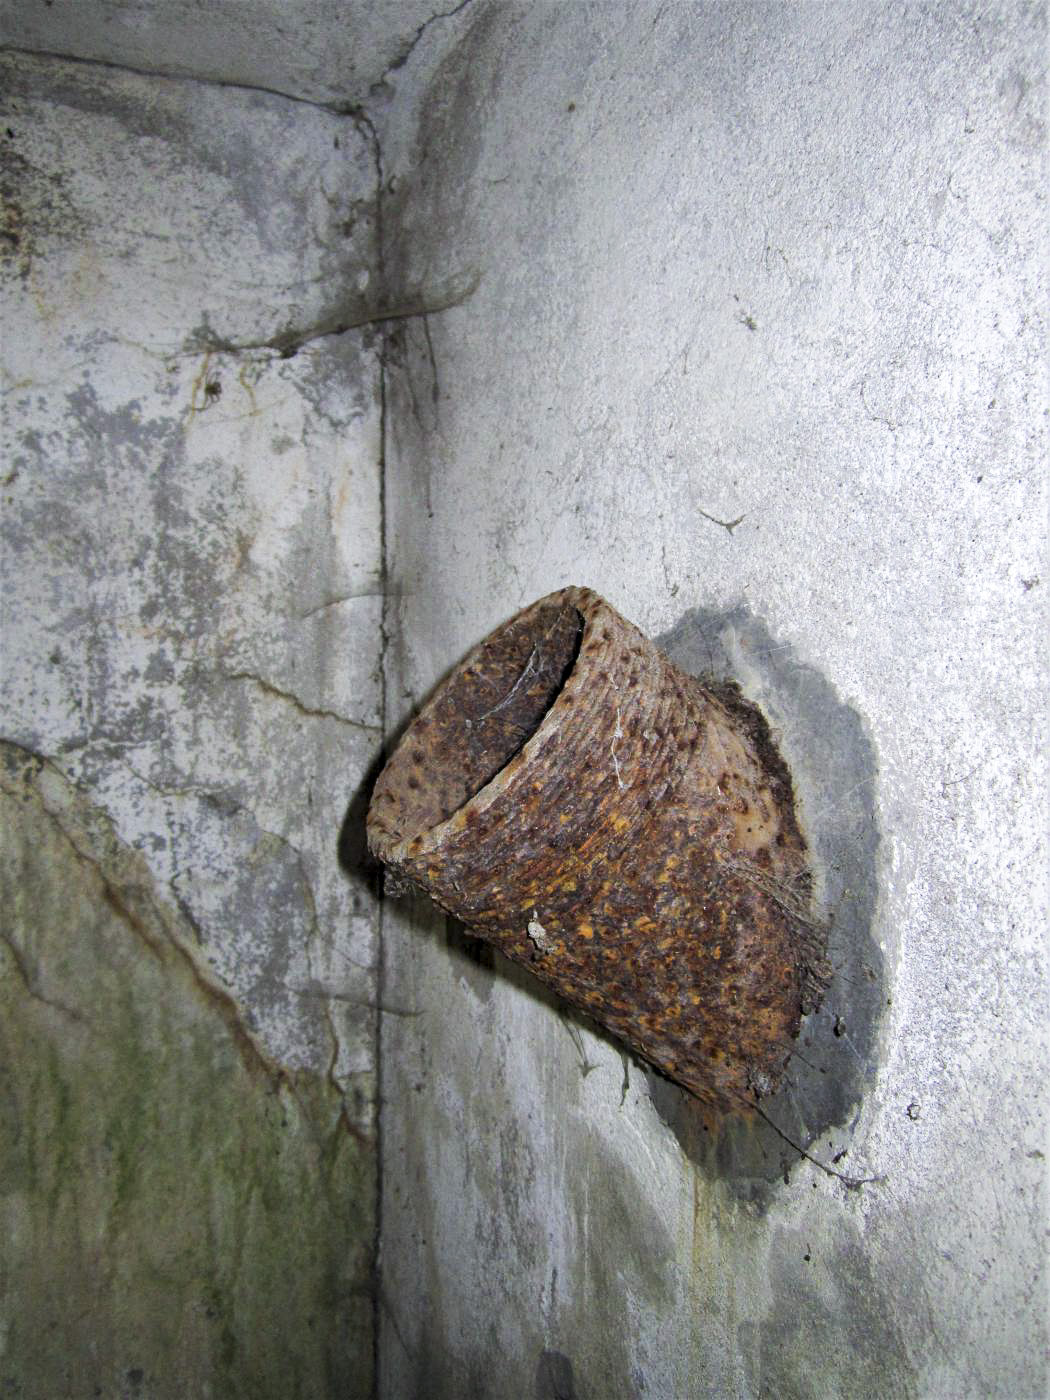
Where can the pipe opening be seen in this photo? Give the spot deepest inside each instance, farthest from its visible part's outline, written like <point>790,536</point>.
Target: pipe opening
<point>481,718</point>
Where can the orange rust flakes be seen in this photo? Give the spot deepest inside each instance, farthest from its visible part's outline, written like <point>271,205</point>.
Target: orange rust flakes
<point>619,829</point>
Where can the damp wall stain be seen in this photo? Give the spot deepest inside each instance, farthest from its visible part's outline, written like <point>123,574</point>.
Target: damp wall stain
<point>181,1215</point>
<point>829,1329</point>
<point>832,762</point>
<point>737,1267</point>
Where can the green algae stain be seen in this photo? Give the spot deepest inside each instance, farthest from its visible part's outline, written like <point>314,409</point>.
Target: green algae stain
<point>180,1216</point>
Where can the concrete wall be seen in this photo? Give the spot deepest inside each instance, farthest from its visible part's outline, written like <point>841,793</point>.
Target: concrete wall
<point>733,312</point>
<point>757,351</point>
<point>192,589</point>
<point>320,51</point>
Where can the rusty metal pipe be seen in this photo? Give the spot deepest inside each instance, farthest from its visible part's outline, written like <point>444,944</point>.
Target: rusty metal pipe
<point>624,832</point>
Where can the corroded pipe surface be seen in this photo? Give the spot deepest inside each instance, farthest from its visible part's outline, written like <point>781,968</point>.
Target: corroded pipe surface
<point>626,833</point>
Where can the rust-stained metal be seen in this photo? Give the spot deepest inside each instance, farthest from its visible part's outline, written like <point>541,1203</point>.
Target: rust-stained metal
<point>626,833</point>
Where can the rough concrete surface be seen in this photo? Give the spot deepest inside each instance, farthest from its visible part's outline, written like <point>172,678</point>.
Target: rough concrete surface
<point>180,1214</point>
<point>759,331</point>
<point>192,580</point>
<point>734,313</point>
<point>315,50</point>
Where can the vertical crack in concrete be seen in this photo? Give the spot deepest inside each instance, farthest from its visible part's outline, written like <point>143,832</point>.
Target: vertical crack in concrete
<point>410,47</point>
<point>367,126</point>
